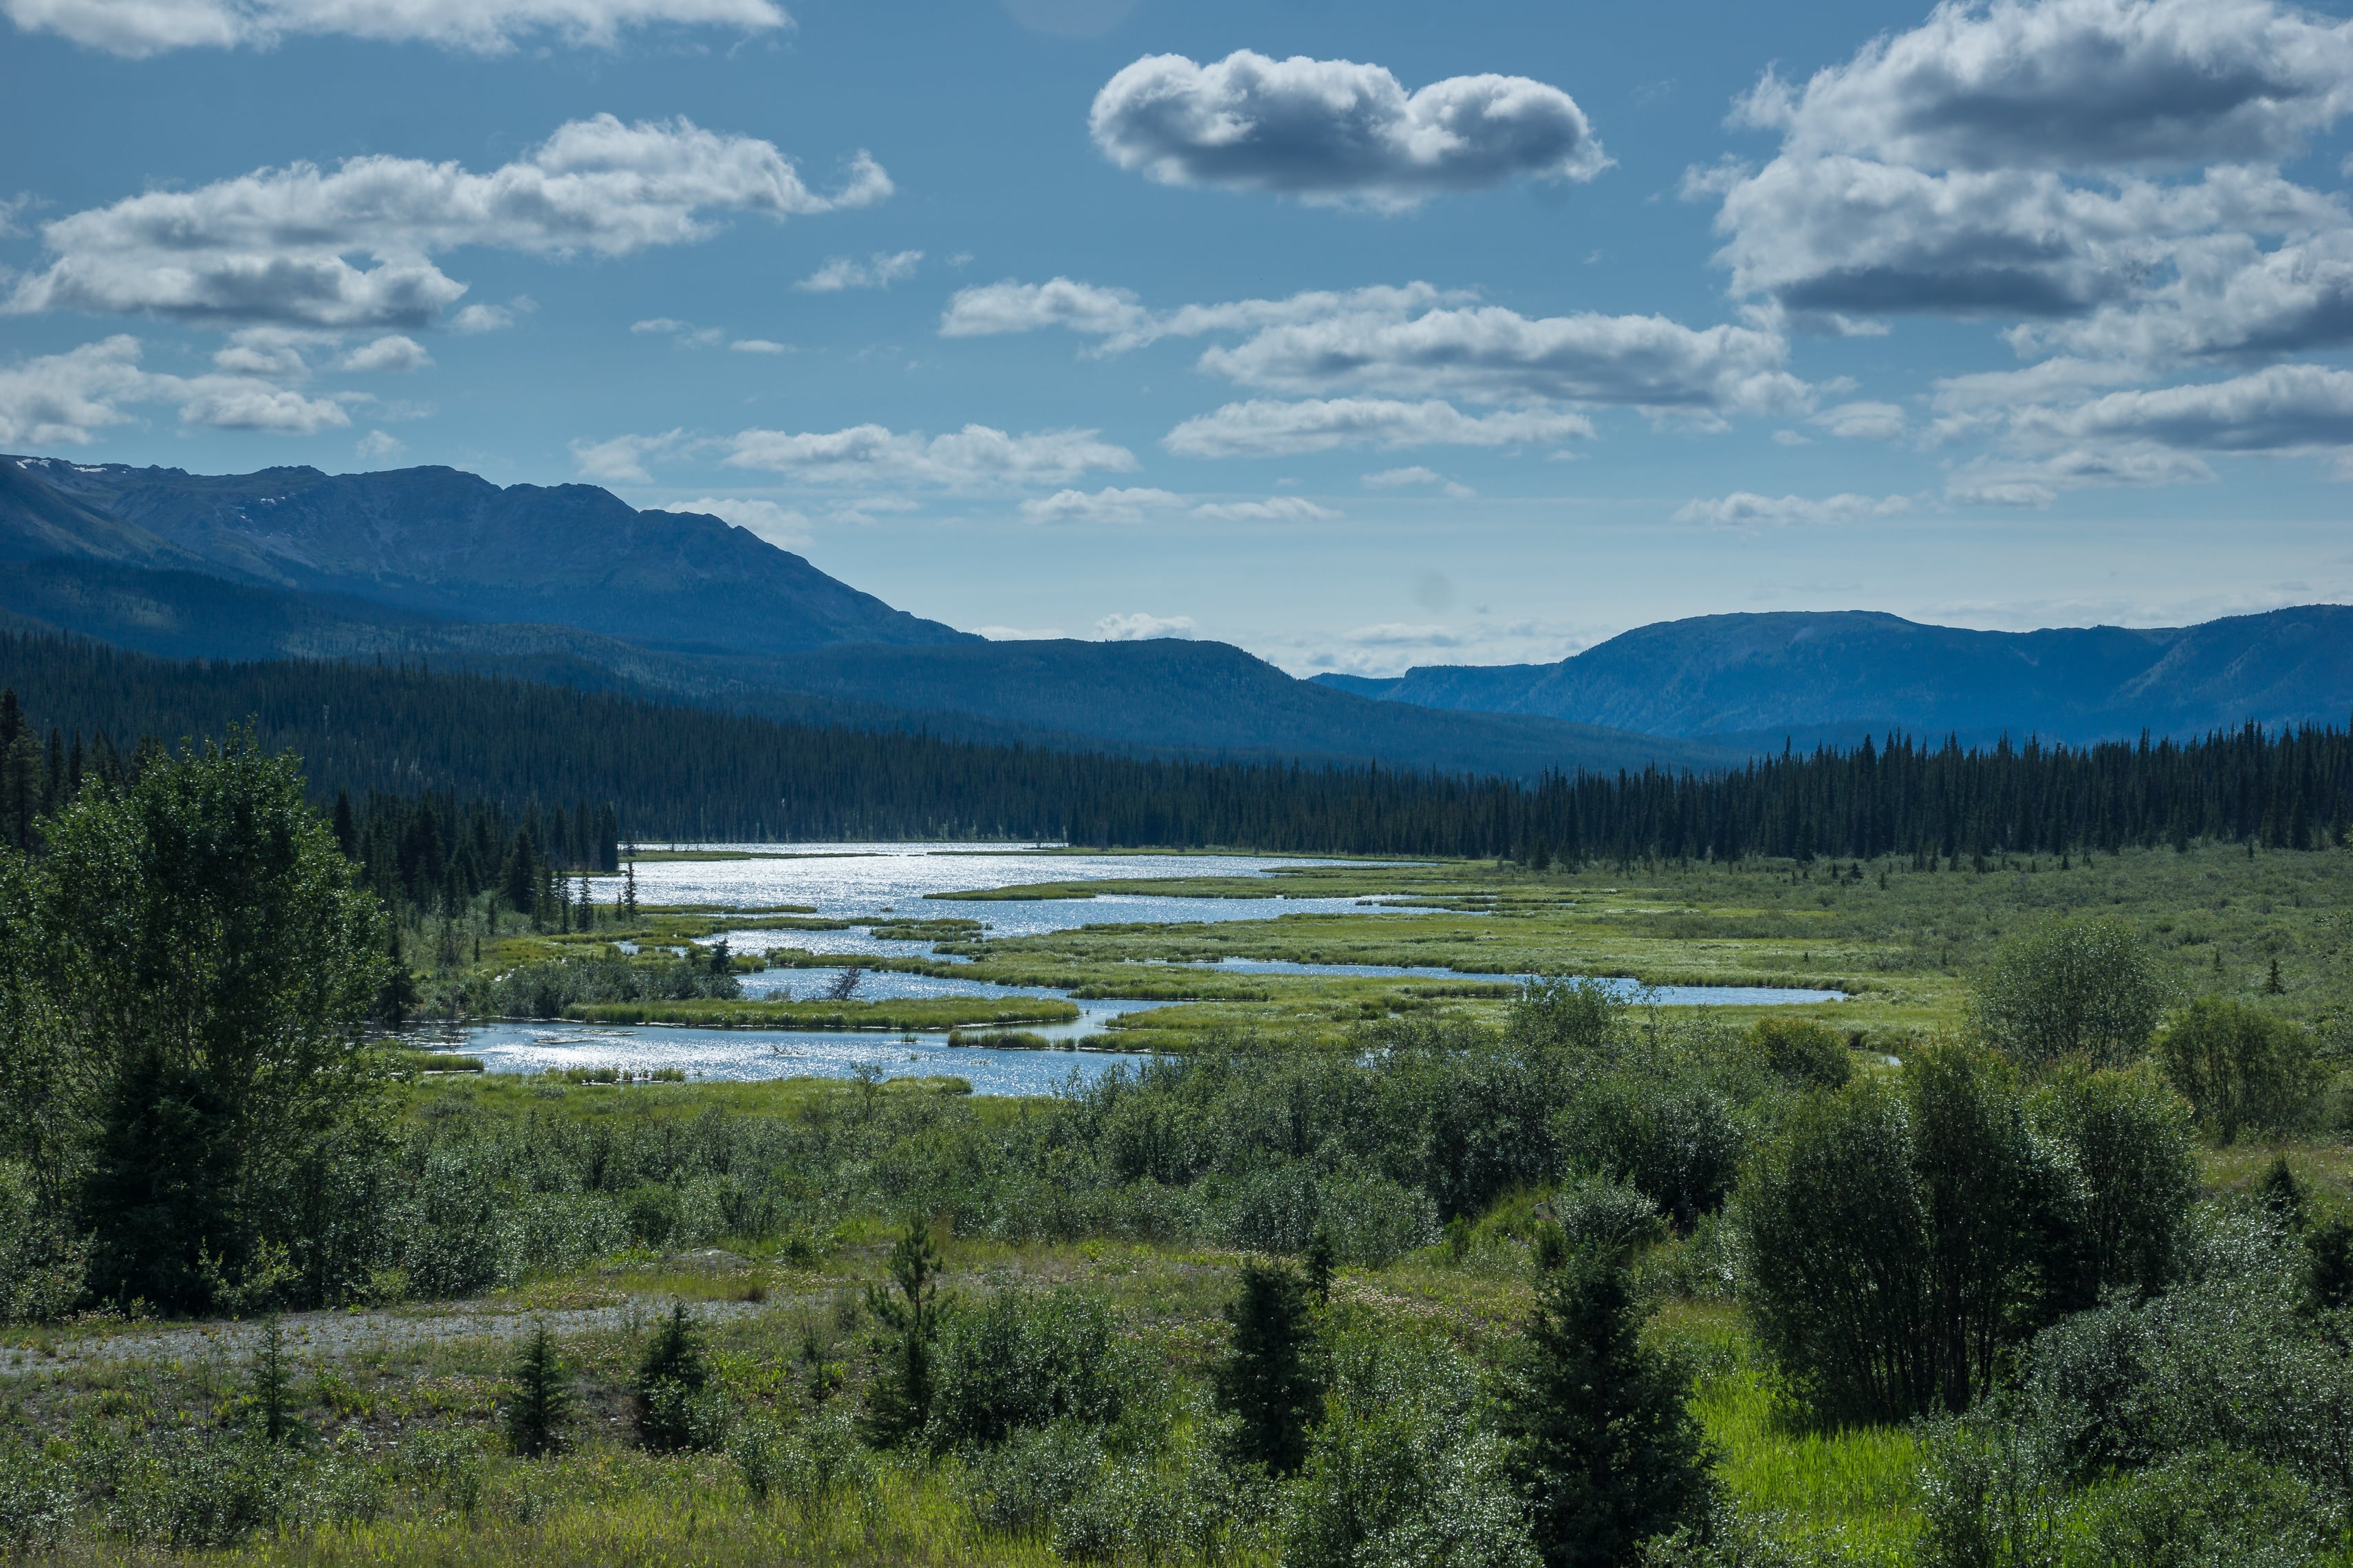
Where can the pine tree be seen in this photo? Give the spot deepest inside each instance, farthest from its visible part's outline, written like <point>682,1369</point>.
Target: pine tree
<point>1320,1263</point>
<point>1600,1437</point>
<point>273,1385</point>
<point>629,886</point>
<point>1266,1381</point>
<point>900,1402</point>
<point>542,1400</point>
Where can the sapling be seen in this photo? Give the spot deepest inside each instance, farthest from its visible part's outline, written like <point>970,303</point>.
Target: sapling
<point>541,1402</point>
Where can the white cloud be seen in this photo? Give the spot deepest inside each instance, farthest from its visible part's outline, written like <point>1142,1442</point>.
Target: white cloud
<point>65,399</point>
<point>975,456</point>
<point>1116,316</point>
<point>376,446</point>
<point>779,525</point>
<point>684,331</point>
<point>477,319</point>
<point>2038,482</point>
<point>1274,509</point>
<point>880,271</point>
<point>1107,505</point>
<point>2283,408</point>
<point>240,403</point>
<point>1391,478</point>
<point>139,27</point>
<point>1266,429</point>
<point>1011,307</point>
<point>273,246</point>
<point>1137,626</point>
<point>1745,509</point>
<point>759,346</point>
<point>622,459</point>
<point>1018,633</point>
<point>1400,634</point>
<point>1335,129</point>
<point>1491,354</point>
<point>271,352</point>
<point>392,353</point>
<point>2076,84</point>
<point>1862,421</point>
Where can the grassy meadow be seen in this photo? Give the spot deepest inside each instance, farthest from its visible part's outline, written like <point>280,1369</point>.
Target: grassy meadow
<point>771,1212</point>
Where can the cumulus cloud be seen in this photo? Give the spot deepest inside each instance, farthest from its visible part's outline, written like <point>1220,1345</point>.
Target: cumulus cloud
<point>377,445</point>
<point>779,525</point>
<point>1118,317</point>
<point>2074,84</point>
<point>1745,508</point>
<point>1336,131</point>
<point>140,27</point>
<point>1259,428</point>
<point>477,319</point>
<point>2038,482</point>
<point>1392,478</point>
<point>1491,354</point>
<point>390,353</point>
<point>1106,505</point>
<point>759,346</point>
<point>2283,408</point>
<point>1137,626</point>
<point>877,271</point>
<point>67,398</point>
<point>672,326</point>
<point>622,459</point>
<point>275,245</point>
<point>1274,509</point>
<point>1862,421</point>
<point>974,456</point>
<point>273,352</point>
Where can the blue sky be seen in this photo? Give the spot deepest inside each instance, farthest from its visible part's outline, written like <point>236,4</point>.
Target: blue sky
<point>1360,335</point>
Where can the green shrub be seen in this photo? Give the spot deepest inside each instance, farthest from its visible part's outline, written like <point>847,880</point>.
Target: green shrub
<point>1611,1217</point>
<point>2127,1139</point>
<point>1804,1050</point>
<point>538,1398</point>
<point>1674,1140</point>
<point>2243,1069</point>
<point>1018,1485</point>
<point>2070,987</point>
<point>1021,1359</point>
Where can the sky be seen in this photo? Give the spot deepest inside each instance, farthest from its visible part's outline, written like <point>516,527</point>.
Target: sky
<point>1361,335</point>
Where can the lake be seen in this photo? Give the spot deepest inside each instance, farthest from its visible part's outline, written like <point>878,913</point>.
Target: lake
<point>897,882</point>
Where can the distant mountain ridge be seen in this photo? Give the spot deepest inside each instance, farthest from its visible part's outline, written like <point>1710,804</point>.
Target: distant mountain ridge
<point>447,543</point>
<point>567,584</point>
<point>1747,680</point>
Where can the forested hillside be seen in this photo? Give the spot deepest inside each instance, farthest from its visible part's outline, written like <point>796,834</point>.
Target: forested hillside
<point>674,772</point>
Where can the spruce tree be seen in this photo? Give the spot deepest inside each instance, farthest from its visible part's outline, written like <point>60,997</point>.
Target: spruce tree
<point>543,1397</point>
<point>1266,1379</point>
<point>670,1381</point>
<point>900,1401</point>
<point>1600,1438</point>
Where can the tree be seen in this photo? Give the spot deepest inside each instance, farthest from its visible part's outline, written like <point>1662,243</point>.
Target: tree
<point>2241,1068</point>
<point>2129,1138</point>
<point>1598,1433</point>
<point>1265,1381</point>
<point>669,1384</point>
<point>542,1398</point>
<point>204,939</point>
<point>2070,987</point>
<point>900,1402</point>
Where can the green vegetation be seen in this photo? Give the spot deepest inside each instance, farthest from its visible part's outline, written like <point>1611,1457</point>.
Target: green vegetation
<point>2034,1249</point>
<point>921,1012</point>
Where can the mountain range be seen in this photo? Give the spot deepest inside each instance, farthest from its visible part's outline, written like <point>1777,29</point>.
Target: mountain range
<point>1755,680</point>
<point>568,584</point>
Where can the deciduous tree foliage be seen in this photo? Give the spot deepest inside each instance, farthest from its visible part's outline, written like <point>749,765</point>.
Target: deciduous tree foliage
<point>206,961</point>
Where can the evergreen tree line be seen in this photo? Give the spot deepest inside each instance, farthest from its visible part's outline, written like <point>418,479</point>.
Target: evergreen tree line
<point>463,749</point>
<point>434,852</point>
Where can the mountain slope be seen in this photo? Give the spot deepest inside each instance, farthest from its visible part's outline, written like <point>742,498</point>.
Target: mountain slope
<point>1208,697</point>
<point>1167,699</point>
<point>452,545</point>
<point>1750,679</point>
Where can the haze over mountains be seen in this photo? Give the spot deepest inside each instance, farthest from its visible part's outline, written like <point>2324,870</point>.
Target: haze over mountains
<point>568,584</point>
